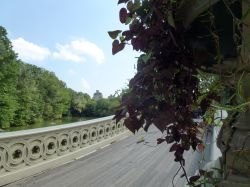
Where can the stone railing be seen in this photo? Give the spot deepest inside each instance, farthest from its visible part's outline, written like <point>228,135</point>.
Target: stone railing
<point>27,152</point>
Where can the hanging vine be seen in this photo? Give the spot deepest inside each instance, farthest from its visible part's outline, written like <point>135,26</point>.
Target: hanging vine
<point>172,81</point>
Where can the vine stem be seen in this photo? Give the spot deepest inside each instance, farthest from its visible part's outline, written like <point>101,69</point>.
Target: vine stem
<point>175,176</point>
<point>185,173</point>
<point>231,107</point>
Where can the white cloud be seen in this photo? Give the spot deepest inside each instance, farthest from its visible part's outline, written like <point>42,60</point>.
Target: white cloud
<point>77,50</point>
<point>65,53</point>
<point>85,84</point>
<point>29,51</point>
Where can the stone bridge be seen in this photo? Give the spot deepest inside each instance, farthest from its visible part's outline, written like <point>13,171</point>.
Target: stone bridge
<point>43,157</point>
<point>27,152</point>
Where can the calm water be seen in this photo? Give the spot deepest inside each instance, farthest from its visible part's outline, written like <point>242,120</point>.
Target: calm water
<point>49,123</point>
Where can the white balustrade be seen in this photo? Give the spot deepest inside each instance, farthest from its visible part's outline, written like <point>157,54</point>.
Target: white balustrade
<point>27,152</point>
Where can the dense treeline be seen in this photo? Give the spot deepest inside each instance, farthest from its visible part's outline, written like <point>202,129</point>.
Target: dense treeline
<point>29,94</point>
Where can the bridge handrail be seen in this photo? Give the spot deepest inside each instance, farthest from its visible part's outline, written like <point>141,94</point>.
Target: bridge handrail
<point>27,152</point>
<point>41,130</point>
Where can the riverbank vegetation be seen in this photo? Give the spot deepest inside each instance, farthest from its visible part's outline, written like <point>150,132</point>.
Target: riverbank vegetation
<point>29,94</point>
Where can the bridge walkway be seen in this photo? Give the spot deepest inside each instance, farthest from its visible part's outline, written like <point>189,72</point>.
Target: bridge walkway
<point>122,164</point>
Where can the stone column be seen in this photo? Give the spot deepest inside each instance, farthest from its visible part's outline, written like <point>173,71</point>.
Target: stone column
<point>234,143</point>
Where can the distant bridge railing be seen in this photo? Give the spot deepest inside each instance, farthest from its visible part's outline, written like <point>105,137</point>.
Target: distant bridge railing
<point>27,152</point>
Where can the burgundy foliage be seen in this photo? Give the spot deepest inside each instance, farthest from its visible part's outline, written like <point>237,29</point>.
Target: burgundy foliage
<point>117,46</point>
<point>123,15</point>
<point>165,86</point>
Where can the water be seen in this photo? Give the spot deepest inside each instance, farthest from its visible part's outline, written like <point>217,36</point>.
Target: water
<point>62,121</point>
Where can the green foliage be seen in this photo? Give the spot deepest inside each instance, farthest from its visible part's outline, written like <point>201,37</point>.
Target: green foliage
<point>8,80</point>
<point>90,108</point>
<point>29,97</point>
<point>101,107</point>
<point>114,34</point>
<point>55,95</point>
<point>78,102</point>
<point>29,94</point>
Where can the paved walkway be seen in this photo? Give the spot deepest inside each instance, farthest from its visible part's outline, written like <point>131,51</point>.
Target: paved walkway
<point>122,164</point>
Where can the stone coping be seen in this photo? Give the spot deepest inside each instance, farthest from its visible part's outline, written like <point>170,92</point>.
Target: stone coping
<point>29,132</point>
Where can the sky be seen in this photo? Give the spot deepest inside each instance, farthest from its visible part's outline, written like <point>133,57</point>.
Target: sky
<point>69,38</point>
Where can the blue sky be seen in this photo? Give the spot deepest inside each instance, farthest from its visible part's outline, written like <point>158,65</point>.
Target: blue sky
<point>69,37</point>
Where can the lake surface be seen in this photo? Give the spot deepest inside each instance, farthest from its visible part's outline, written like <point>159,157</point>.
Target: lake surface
<point>62,121</point>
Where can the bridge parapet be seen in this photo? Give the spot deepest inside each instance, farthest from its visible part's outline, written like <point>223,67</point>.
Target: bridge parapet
<point>27,152</point>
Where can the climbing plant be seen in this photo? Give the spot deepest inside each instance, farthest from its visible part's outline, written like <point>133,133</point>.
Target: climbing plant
<point>181,67</point>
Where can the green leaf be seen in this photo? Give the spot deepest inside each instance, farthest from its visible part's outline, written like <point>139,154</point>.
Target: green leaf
<point>130,6</point>
<point>209,120</point>
<point>137,4</point>
<point>122,39</point>
<point>114,34</point>
<point>146,57</point>
<point>128,20</point>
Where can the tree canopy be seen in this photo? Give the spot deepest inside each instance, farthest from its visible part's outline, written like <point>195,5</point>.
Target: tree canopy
<point>30,94</point>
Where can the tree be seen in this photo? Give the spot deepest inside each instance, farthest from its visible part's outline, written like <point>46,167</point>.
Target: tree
<point>114,102</point>
<point>55,96</point>
<point>29,94</point>
<point>78,102</point>
<point>8,80</point>
<point>179,41</point>
<point>29,98</point>
<point>90,108</point>
<point>101,107</point>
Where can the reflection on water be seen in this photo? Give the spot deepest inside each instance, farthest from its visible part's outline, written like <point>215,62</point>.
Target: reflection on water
<point>49,123</point>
